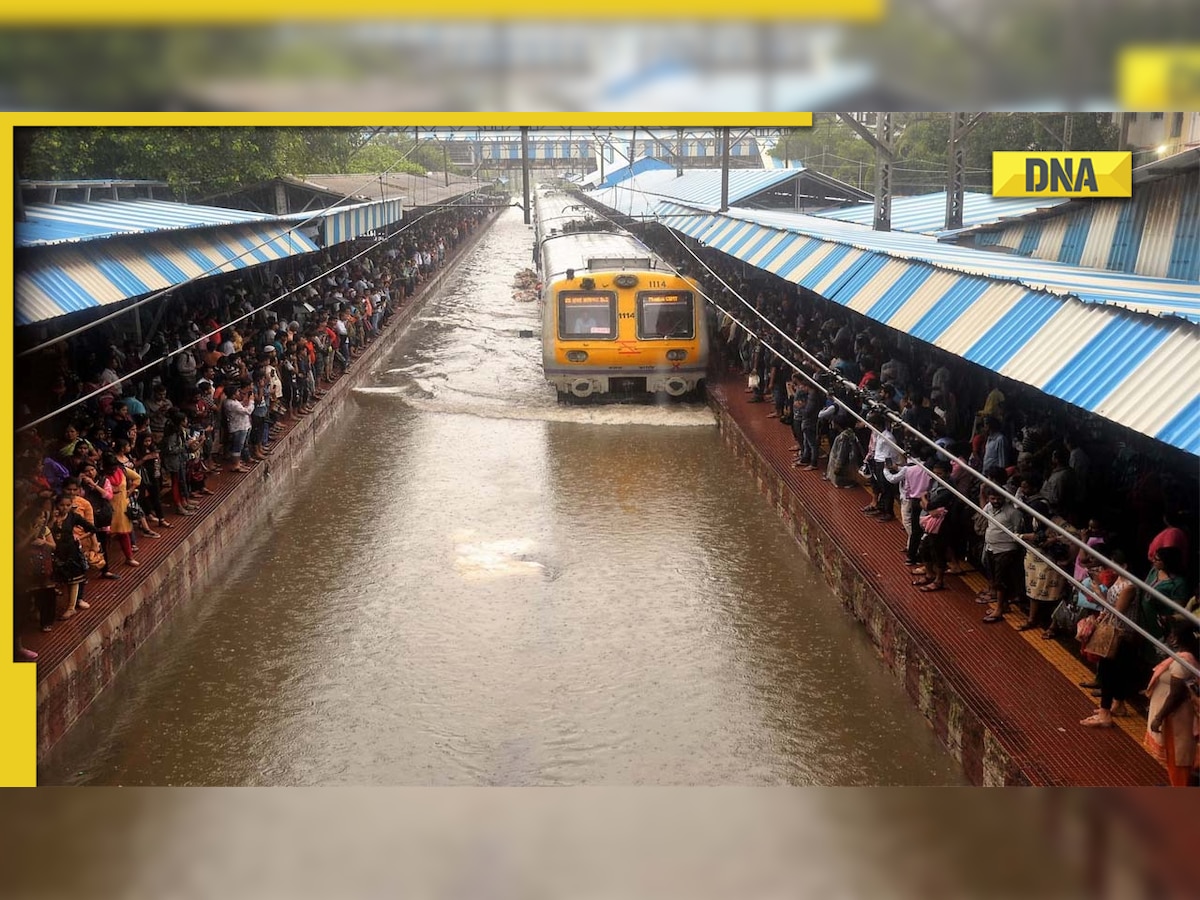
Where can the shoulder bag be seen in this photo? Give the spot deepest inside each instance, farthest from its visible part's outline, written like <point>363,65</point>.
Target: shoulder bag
<point>1105,639</point>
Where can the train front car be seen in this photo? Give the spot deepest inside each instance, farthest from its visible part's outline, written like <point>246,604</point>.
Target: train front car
<point>616,321</point>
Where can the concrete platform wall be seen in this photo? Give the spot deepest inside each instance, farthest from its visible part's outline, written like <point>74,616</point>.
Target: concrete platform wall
<point>65,693</point>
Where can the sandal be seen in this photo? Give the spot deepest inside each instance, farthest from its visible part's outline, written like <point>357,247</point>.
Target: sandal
<point>922,581</point>
<point>993,618</point>
<point>1028,626</point>
<point>931,587</point>
<point>163,523</point>
<point>1095,721</point>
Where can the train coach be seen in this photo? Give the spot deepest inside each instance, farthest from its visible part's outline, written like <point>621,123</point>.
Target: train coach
<point>617,321</point>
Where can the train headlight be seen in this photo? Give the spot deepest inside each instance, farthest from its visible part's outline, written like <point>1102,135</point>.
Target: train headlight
<point>625,281</point>
<point>676,355</point>
<point>577,355</point>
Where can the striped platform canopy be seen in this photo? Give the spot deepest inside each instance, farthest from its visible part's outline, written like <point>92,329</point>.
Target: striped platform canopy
<point>1124,347</point>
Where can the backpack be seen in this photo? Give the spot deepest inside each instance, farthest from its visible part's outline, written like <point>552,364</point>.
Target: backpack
<point>55,473</point>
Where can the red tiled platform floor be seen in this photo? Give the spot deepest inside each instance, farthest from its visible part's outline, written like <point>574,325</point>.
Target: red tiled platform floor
<point>1027,703</point>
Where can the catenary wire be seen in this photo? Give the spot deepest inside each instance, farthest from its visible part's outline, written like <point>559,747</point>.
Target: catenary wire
<point>180,349</point>
<point>1102,601</point>
<point>211,271</point>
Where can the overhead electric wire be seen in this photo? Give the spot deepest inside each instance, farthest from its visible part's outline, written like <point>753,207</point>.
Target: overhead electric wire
<point>1094,595</point>
<point>180,349</point>
<point>209,272</point>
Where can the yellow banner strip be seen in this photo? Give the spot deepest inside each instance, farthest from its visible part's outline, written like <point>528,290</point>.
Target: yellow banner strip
<point>227,12</point>
<point>459,120</point>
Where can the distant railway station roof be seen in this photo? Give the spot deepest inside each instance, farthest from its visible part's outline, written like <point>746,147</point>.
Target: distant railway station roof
<point>926,213</point>
<point>410,189</point>
<point>1124,347</point>
<point>640,196</point>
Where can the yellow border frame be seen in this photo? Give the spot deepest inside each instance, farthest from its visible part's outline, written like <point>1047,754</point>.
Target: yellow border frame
<point>231,12</point>
<point>18,681</point>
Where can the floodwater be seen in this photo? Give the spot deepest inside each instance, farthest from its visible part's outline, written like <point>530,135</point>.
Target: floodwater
<point>470,584</point>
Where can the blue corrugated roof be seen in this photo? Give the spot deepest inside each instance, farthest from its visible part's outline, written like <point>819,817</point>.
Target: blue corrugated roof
<point>1017,316</point>
<point>1156,232</point>
<point>63,278</point>
<point>53,223</point>
<point>645,164</point>
<point>926,213</point>
<point>76,256</point>
<point>1158,296</point>
<point>345,223</point>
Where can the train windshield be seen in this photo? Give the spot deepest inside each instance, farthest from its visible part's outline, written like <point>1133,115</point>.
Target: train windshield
<point>665,314</point>
<point>587,315</point>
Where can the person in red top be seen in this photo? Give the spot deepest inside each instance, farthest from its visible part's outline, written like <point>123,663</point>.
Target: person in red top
<point>1171,536</point>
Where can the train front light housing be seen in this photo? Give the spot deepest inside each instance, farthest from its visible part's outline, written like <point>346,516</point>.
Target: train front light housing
<point>676,355</point>
<point>625,281</point>
<point>577,355</point>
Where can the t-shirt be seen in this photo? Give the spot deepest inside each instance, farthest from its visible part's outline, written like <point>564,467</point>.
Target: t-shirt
<point>995,539</point>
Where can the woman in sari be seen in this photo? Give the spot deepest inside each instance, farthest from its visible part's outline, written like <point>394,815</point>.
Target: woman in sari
<point>1171,721</point>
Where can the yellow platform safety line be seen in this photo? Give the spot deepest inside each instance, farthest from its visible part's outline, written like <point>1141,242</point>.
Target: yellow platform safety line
<point>1071,667</point>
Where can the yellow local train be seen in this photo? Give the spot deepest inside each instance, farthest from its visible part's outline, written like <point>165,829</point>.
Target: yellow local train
<point>617,322</point>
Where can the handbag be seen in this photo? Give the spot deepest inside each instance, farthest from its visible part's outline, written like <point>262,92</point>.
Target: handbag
<point>71,564</point>
<point>1065,617</point>
<point>1104,640</point>
<point>931,522</point>
<point>1084,628</point>
<point>133,508</point>
<point>753,381</point>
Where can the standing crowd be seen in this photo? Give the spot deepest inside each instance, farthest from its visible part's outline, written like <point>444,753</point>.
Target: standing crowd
<point>230,370</point>
<point>1124,497</point>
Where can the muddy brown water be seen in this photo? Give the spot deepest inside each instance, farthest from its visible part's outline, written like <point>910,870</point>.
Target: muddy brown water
<point>470,584</point>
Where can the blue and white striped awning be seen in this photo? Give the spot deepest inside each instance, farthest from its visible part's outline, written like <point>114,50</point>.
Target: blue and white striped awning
<point>926,213</point>
<point>64,278</point>
<point>346,223</point>
<point>1157,296</point>
<point>1056,328</point>
<point>57,223</point>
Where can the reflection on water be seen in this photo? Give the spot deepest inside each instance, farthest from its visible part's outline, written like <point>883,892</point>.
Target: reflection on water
<point>473,585</point>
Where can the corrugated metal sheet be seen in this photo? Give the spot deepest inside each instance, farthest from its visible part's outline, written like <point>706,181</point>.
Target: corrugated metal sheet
<point>1185,256</point>
<point>1163,208</point>
<point>1074,235</point>
<point>345,223</point>
<point>926,213</point>
<point>644,164</point>
<point>1099,241</point>
<point>1158,296</point>
<point>696,188</point>
<point>55,223</point>
<point>1155,233</point>
<point>1015,315</point>
<point>52,281</point>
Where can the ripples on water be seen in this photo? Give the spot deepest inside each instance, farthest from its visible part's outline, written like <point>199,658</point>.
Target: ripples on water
<point>471,584</point>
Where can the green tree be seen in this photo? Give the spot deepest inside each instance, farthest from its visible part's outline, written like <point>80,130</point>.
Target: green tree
<point>194,161</point>
<point>922,144</point>
<point>832,148</point>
